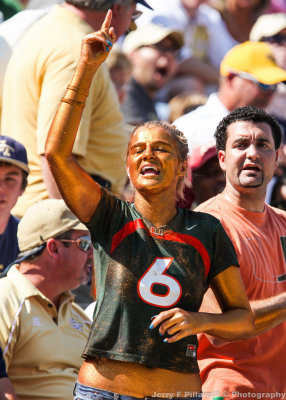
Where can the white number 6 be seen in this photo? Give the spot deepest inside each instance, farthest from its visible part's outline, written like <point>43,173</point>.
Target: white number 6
<point>155,274</point>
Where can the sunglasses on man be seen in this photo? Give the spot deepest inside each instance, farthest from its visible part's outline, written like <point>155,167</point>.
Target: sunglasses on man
<point>83,242</point>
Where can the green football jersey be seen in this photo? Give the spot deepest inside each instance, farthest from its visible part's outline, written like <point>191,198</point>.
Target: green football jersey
<point>141,270</point>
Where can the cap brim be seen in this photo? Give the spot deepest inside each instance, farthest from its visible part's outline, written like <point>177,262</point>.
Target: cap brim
<point>150,34</point>
<point>79,226</point>
<point>19,164</point>
<point>144,4</point>
<point>269,75</point>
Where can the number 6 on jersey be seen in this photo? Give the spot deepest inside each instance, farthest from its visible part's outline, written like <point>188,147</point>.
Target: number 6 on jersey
<point>155,274</point>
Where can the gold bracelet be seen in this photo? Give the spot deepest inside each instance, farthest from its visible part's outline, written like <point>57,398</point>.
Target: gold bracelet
<point>78,90</point>
<point>73,102</point>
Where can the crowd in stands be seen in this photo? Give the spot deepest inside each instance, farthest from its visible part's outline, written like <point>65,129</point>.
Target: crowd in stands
<point>190,63</point>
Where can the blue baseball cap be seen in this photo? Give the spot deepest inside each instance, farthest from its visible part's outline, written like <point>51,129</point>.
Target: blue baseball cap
<point>13,152</point>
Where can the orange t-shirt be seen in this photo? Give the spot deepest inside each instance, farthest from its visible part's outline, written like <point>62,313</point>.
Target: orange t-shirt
<point>254,368</point>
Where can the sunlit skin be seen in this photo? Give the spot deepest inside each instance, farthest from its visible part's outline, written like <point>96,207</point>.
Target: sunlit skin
<point>60,267</point>
<point>249,160</point>
<point>78,263</point>
<point>154,167</point>
<point>153,68</point>
<point>247,93</point>
<point>123,18</point>
<point>153,163</point>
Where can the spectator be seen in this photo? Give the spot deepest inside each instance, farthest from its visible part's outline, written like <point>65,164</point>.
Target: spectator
<point>6,388</point>
<point>183,103</point>
<point>207,177</point>
<point>42,330</point>
<point>271,28</point>
<point>248,140</point>
<point>194,20</point>
<point>152,50</point>
<point>278,195</point>
<point>236,18</point>
<point>120,68</point>
<point>13,180</point>
<point>11,31</point>
<point>35,80</point>
<point>249,76</point>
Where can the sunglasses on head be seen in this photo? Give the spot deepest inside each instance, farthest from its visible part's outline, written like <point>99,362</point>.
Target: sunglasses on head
<point>83,243</point>
<point>261,86</point>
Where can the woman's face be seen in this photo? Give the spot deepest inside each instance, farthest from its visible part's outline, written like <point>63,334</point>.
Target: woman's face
<point>152,162</point>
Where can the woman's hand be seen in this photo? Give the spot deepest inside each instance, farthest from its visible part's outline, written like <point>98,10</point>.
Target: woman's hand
<point>178,323</point>
<point>97,45</point>
<point>235,322</point>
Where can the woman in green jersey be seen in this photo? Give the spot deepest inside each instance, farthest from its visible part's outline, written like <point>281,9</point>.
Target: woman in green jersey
<point>154,261</point>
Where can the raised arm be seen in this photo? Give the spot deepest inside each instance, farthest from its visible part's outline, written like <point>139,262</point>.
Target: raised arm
<point>234,323</point>
<point>78,189</point>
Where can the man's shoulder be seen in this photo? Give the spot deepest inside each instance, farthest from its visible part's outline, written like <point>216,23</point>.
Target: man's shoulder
<point>199,125</point>
<point>276,213</point>
<point>13,221</point>
<point>12,226</point>
<point>185,119</point>
<point>211,206</point>
<point>9,294</point>
<point>55,30</point>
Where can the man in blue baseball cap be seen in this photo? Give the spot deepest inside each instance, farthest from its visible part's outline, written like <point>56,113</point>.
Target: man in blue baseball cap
<point>13,180</point>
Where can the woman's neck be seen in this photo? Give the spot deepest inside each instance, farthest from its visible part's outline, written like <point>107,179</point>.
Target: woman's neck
<point>158,208</point>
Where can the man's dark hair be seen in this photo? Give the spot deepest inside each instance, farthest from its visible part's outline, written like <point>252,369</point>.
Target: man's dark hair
<point>248,113</point>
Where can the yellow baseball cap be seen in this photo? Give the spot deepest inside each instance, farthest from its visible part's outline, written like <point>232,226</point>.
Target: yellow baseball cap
<point>256,59</point>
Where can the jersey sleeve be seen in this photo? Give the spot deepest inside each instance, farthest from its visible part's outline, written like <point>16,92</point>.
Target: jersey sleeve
<point>224,255</point>
<point>109,217</point>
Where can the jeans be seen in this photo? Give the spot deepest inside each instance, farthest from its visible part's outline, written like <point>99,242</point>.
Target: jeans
<point>83,392</point>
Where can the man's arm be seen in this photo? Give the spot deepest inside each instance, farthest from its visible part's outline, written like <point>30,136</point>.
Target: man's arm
<point>267,312</point>
<point>49,181</point>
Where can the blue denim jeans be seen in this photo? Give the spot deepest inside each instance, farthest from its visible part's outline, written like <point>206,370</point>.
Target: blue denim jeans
<point>83,392</point>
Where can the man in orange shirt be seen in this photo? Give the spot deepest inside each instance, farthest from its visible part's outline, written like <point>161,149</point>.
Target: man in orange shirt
<point>247,141</point>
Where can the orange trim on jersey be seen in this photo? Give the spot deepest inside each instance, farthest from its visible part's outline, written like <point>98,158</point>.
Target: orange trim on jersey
<point>132,226</point>
<point>128,229</point>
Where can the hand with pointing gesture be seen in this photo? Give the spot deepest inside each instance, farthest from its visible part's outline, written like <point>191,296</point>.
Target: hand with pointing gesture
<point>96,46</point>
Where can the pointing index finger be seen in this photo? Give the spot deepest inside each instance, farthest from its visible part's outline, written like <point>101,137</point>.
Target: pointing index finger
<point>107,20</point>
